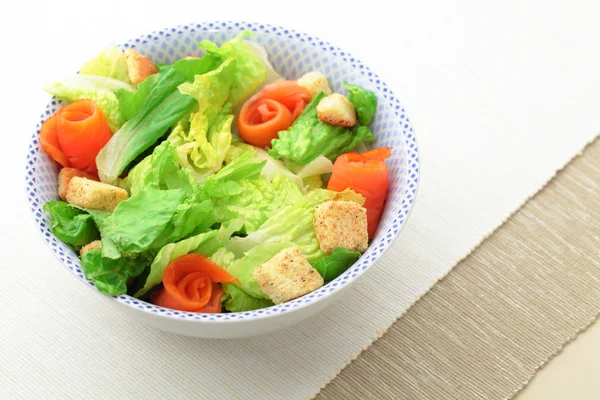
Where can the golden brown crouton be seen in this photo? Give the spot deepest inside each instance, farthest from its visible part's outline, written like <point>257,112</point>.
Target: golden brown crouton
<point>287,275</point>
<point>95,195</point>
<point>341,224</point>
<point>96,244</point>
<point>336,110</point>
<point>64,178</point>
<point>315,82</point>
<point>139,67</point>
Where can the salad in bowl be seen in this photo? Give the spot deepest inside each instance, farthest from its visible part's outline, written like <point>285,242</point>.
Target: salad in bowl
<point>210,183</point>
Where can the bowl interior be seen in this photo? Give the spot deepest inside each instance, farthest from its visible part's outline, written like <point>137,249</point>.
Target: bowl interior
<point>291,54</point>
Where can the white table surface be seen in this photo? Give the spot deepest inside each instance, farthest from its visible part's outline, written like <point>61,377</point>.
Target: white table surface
<point>535,69</point>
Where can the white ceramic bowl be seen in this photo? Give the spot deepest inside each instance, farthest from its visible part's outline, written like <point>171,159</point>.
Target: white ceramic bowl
<point>292,54</point>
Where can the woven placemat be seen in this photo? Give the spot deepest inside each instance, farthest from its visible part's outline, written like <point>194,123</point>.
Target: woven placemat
<point>503,312</point>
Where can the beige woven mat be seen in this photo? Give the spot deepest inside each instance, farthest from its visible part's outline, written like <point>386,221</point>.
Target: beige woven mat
<point>503,312</point>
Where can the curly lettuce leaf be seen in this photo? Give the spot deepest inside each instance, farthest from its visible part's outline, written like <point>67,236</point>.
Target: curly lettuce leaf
<point>243,268</point>
<point>164,106</point>
<point>292,224</point>
<point>71,224</point>
<point>109,63</point>
<point>309,138</point>
<point>99,89</point>
<point>130,103</point>
<point>250,70</point>
<point>138,221</point>
<point>207,244</point>
<point>110,275</point>
<point>257,200</point>
<point>160,170</point>
<point>364,102</point>
<point>203,139</point>
<point>235,299</point>
<point>202,148</point>
<point>334,264</point>
<point>313,182</point>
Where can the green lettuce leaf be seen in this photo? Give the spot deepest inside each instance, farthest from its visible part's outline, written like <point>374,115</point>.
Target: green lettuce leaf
<point>292,224</point>
<point>250,70</point>
<point>226,182</point>
<point>110,276</point>
<point>202,140</point>
<point>364,102</point>
<point>207,244</point>
<point>71,224</point>
<point>257,200</point>
<point>130,103</point>
<point>309,138</point>
<point>237,300</point>
<point>201,147</point>
<point>164,106</point>
<point>138,221</point>
<point>109,63</point>
<point>160,170</point>
<point>99,89</point>
<point>243,268</point>
<point>332,265</point>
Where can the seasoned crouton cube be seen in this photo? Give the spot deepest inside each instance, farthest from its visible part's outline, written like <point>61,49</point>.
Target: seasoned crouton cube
<point>64,178</point>
<point>341,224</point>
<point>315,82</point>
<point>336,110</point>
<point>138,66</point>
<point>96,244</point>
<point>95,195</point>
<point>287,275</point>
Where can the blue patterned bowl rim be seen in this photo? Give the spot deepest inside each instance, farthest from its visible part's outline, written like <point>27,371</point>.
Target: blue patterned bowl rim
<point>381,242</point>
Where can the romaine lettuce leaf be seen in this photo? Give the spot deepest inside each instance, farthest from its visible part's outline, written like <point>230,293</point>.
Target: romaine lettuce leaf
<point>164,106</point>
<point>332,265</point>
<point>201,148</point>
<point>160,170</point>
<point>138,221</point>
<point>292,223</point>
<point>250,70</point>
<point>236,299</point>
<point>243,268</point>
<point>71,224</point>
<point>313,182</point>
<point>130,103</point>
<point>109,275</point>
<point>257,200</point>
<point>206,244</point>
<point>309,138</point>
<point>203,139</point>
<point>99,89</point>
<point>109,63</point>
<point>364,102</point>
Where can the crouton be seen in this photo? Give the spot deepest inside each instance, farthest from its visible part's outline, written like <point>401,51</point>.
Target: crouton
<point>315,82</point>
<point>341,224</point>
<point>95,195</point>
<point>96,244</point>
<point>138,66</point>
<point>64,178</point>
<point>287,275</point>
<point>336,110</point>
